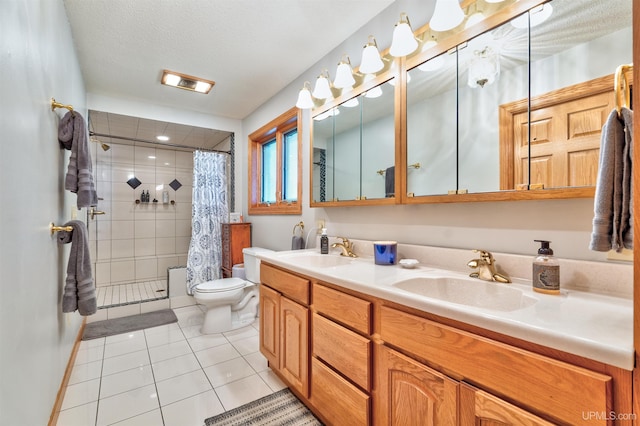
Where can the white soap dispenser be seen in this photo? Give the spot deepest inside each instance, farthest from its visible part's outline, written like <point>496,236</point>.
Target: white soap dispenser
<point>546,270</point>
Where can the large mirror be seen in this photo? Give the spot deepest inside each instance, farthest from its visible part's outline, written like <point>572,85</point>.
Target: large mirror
<point>354,148</point>
<point>520,106</point>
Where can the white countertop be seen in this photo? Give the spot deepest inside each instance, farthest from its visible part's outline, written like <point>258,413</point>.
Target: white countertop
<point>594,326</point>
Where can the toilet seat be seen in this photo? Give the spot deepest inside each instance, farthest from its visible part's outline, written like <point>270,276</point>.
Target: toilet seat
<point>221,285</point>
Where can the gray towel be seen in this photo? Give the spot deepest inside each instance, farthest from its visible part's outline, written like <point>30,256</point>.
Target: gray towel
<point>297,243</point>
<point>389,181</point>
<point>72,135</point>
<point>613,202</point>
<point>79,291</point>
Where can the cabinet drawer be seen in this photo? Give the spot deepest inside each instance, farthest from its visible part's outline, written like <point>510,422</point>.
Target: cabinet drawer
<point>290,285</point>
<point>536,382</point>
<point>349,310</point>
<point>340,402</point>
<point>342,349</point>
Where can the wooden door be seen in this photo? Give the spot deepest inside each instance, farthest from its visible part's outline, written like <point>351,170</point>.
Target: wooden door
<point>479,408</point>
<point>294,344</point>
<point>410,393</point>
<point>565,142</point>
<point>270,325</point>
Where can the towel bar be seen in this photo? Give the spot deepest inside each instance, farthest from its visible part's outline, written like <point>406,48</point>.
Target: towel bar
<point>53,228</point>
<point>622,90</point>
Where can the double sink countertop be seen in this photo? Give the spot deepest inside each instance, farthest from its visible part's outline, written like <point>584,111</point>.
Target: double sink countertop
<point>592,325</point>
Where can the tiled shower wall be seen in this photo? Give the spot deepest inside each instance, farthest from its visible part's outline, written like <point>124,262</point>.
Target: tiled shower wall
<point>138,242</point>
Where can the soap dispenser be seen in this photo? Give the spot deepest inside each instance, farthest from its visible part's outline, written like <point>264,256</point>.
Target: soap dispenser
<point>324,242</point>
<point>546,270</point>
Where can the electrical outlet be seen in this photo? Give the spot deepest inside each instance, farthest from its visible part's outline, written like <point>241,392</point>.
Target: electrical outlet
<point>320,226</point>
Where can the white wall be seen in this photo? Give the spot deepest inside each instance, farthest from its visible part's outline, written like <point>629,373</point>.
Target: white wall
<point>504,226</point>
<point>37,62</point>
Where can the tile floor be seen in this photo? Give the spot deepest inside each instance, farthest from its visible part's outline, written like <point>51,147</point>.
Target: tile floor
<point>124,294</point>
<point>168,375</point>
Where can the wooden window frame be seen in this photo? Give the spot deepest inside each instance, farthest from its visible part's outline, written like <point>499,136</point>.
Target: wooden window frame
<point>276,128</point>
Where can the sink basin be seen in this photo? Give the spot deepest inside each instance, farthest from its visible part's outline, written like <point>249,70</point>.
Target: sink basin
<point>468,292</point>
<point>319,260</point>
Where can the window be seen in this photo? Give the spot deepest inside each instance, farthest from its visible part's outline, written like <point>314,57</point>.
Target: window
<point>275,167</point>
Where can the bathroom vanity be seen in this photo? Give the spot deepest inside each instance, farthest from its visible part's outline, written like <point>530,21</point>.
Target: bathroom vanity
<point>362,344</point>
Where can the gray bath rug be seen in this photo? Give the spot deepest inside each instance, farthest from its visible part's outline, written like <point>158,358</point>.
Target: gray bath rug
<point>277,409</point>
<point>97,329</point>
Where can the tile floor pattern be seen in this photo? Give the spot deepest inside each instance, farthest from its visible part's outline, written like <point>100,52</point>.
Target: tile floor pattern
<point>169,375</point>
<point>124,294</point>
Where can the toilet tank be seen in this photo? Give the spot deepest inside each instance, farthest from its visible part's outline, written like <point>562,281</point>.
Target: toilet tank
<point>252,263</point>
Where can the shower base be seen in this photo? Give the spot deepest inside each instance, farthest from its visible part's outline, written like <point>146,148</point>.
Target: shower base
<point>129,293</point>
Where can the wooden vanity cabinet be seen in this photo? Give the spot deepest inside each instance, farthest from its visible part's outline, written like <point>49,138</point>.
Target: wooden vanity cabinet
<point>409,367</point>
<point>479,408</point>
<point>341,372</point>
<point>412,394</point>
<point>284,325</point>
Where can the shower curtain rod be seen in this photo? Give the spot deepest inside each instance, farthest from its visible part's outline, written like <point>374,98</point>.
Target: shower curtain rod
<point>158,143</point>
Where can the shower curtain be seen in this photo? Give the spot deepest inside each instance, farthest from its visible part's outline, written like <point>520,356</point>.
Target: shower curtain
<point>210,209</point>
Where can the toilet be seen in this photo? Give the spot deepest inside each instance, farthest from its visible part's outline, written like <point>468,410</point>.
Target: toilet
<point>231,302</point>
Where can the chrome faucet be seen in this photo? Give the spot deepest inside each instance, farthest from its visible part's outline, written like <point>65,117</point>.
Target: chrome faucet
<point>486,268</point>
<point>346,246</point>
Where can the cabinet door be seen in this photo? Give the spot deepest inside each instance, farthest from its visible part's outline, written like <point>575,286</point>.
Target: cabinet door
<point>270,325</point>
<point>479,408</point>
<point>294,344</point>
<point>410,393</point>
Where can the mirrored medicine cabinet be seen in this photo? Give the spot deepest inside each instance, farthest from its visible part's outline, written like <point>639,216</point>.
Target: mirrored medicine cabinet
<point>508,109</point>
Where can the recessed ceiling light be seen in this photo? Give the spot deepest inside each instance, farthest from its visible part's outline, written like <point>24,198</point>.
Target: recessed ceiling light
<point>187,82</point>
<point>162,138</point>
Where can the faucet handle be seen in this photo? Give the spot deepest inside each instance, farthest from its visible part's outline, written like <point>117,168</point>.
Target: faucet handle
<point>344,240</point>
<point>485,255</point>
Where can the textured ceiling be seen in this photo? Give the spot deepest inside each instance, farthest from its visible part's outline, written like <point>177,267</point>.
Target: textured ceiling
<point>252,49</point>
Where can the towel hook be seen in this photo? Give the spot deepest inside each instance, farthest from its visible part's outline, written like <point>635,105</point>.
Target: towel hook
<point>55,105</point>
<point>622,91</point>
<point>53,228</point>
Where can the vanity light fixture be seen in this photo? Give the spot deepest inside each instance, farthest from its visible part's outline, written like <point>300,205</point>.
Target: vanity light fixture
<point>432,64</point>
<point>394,71</point>
<point>371,62</point>
<point>353,102</point>
<point>322,89</point>
<point>403,42</point>
<point>447,15</point>
<point>474,17</point>
<point>304,97</point>
<point>535,16</point>
<point>344,74</point>
<point>186,82</point>
<point>375,92</point>
<point>483,68</point>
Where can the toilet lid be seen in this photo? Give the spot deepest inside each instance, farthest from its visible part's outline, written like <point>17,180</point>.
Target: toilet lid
<point>224,284</point>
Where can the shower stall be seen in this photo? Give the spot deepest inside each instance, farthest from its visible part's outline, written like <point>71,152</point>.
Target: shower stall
<point>144,189</point>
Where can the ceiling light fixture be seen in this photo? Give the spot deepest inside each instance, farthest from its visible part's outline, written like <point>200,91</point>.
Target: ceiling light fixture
<point>322,89</point>
<point>535,16</point>
<point>403,42</point>
<point>447,15</point>
<point>304,97</point>
<point>186,82</point>
<point>162,138</point>
<point>371,62</point>
<point>344,74</point>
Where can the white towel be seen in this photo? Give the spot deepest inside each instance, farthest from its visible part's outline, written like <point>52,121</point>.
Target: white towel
<point>613,202</point>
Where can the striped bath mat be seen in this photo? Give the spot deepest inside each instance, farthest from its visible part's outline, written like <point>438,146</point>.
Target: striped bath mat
<point>277,409</point>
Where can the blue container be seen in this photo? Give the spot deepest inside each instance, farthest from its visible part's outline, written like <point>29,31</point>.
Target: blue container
<point>385,252</point>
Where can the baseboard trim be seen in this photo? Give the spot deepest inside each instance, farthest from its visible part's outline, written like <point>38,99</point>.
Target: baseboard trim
<point>55,412</point>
